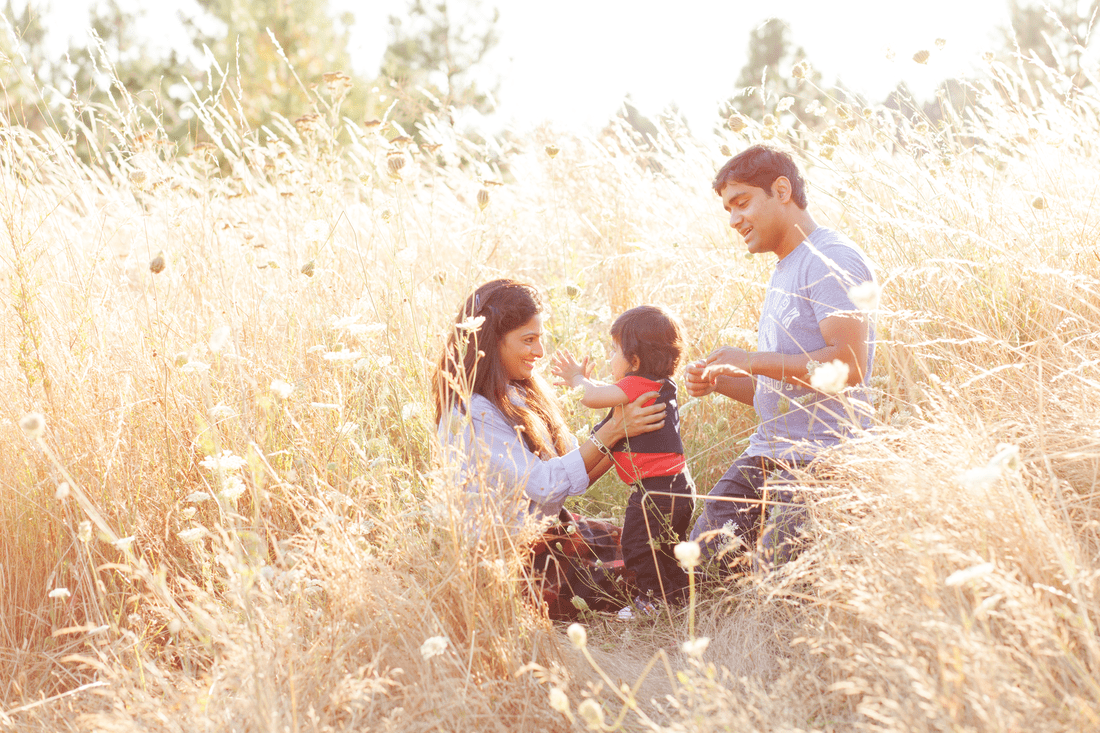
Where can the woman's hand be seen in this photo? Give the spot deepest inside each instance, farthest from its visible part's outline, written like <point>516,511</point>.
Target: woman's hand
<point>568,370</point>
<point>634,419</point>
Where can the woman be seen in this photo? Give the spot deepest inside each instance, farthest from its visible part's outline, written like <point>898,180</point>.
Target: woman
<point>498,423</point>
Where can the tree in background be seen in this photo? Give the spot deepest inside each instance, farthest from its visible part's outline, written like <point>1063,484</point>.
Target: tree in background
<point>278,55</point>
<point>434,61</point>
<point>1053,34</point>
<point>776,69</point>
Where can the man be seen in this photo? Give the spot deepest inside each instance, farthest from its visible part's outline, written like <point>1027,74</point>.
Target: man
<point>807,379</point>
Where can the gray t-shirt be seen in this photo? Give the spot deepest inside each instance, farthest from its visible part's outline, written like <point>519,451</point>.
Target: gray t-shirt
<point>809,285</point>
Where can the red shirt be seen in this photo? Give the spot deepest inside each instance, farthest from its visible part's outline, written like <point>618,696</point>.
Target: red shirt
<point>632,466</point>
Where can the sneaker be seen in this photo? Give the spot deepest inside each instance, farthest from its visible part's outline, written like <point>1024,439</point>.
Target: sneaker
<point>640,607</point>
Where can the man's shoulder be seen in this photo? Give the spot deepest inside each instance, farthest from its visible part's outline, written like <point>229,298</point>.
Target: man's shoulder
<point>832,249</point>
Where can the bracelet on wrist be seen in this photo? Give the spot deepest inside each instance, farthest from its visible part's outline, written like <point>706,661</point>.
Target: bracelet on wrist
<point>599,445</point>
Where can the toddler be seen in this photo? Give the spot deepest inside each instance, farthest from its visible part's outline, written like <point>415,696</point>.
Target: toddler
<point>647,348</point>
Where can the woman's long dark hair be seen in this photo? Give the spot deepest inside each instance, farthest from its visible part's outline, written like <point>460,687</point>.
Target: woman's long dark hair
<point>471,364</point>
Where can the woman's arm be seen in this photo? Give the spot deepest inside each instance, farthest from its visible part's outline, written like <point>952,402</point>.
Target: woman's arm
<point>492,450</point>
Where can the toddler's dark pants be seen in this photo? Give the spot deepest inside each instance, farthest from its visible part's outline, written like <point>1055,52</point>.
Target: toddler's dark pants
<point>657,517</point>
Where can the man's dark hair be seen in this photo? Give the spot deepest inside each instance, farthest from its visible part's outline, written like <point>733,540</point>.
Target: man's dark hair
<point>652,335</point>
<point>759,166</point>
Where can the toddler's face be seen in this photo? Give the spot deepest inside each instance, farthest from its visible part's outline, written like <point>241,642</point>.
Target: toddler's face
<point>619,365</point>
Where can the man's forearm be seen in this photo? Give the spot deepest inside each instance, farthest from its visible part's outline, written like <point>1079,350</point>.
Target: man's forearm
<point>741,389</point>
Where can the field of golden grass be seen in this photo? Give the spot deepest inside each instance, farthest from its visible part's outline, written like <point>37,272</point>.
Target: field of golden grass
<point>231,518</point>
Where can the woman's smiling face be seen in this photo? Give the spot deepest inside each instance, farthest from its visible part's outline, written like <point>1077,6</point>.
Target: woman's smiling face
<point>520,348</point>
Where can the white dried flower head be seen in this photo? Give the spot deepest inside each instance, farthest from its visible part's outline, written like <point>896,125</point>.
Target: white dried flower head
<point>222,412</point>
<point>433,647</point>
<point>124,543</point>
<point>940,43</point>
<point>737,123</point>
<point>865,295</point>
<point>987,57</point>
<point>62,492</point>
<point>592,713</point>
<point>84,531</point>
<point>831,136</point>
<point>174,626</point>
<point>233,489</point>
<point>559,700</point>
<point>767,132</point>
<point>1007,457</point>
<point>687,553</point>
<point>226,461</point>
<point>196,496</point>
<point>192,534</point>
<point>33,425</point>
<point>194,366</point>
<point>187,512</point>
<point>979,478</point>
<point>60,593</point>
<point>828,151</point>
<point>801,70</point>
<point>784,104</point>
<point>219,338</point>
<point>890,54</point>
<point>967,574</point>
<point>831,377</point>
<point>471,324</point>
<point>695,647</point>
<point>281,389</point>
<point>139,178</point>
<point>410,410</point>
<point>769,120</point>
<point>577,635</point>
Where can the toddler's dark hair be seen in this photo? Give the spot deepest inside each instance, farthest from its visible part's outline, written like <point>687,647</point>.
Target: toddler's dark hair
<point>654,336</point>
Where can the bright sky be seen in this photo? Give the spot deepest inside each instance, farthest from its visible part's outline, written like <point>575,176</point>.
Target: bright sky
<point>571,62</point>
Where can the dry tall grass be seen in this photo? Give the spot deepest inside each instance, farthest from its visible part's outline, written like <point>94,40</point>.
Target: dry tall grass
<point>952,583</point>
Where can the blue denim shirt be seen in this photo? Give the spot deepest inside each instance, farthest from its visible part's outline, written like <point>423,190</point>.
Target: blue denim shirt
<point>503,480</point>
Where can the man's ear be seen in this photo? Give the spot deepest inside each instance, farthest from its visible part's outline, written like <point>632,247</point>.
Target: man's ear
<point>781,189</point>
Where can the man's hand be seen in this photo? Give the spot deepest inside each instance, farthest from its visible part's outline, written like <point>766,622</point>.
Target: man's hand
<point>697,386</point>
<point>733,357</point>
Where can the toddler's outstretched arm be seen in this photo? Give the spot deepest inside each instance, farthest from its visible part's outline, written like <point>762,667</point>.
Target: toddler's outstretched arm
<point>571,373</point>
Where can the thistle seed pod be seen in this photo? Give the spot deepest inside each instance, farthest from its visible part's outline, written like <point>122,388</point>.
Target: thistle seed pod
<point>394,164</point>
<point>482,199</point>
<point>921,57</point>
<point>737,123</point>
<point>552,150</point>
<point>307,269</point>
<point>157,264</point>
